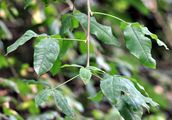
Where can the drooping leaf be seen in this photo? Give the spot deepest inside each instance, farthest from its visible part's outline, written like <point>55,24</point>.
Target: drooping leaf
<point>45,54</point>
<point>23,39</point>
<point>85,74</point>
<point>125,97</point>
<point>139,45</point>
<point>68,22</point>
<point>43,96</point>
<point>154,37</point>
<point>62,103</point>
<point>102,32</point>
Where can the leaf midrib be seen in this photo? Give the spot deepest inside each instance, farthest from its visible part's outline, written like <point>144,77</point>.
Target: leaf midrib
<point>140,44</point>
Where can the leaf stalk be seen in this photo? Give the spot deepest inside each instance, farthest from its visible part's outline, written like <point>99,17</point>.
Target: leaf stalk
<point>66,82</point>
<point>109,15</point>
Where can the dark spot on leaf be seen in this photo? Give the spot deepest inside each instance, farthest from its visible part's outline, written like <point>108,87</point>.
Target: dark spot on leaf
<point>122,93</point>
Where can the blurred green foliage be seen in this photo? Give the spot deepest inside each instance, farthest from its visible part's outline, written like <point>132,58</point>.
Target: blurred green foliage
<point>17,93</point>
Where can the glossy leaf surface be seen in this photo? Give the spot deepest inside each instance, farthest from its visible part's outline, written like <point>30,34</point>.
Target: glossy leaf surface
<point>45,54</point>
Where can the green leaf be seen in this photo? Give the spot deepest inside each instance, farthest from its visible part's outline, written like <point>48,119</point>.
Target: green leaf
<point>138,86</point>
<point>154,37</point>
<point>125,97</point>
<point>43,96</point>
<point>45,54</point>
<point>85,74</point>
<point>139,45</point>
<point>23,39</point>
<point>128,113</point>
<point>68,22</point>
<point>97,98</point>
<point>102,32</point>
<point>56,67</point>
<point>62,103</point>
<point>27,3</point>
<point>65,45</point>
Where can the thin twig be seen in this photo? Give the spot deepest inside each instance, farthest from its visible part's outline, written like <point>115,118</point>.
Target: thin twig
<point>66,82</point>
<point>109,15</point>
<point>97,76</point>
<point>88,32</point>
<point>69,39</point>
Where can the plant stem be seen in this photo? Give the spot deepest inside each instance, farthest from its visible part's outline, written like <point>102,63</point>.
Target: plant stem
<point>97,76</point>
<point>109,15</point>
<point>66,82</point>
<point>72,39</point>
<point>88,32</point>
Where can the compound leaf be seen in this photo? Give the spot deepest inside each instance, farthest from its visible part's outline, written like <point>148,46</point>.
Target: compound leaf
<point>45,54</point>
